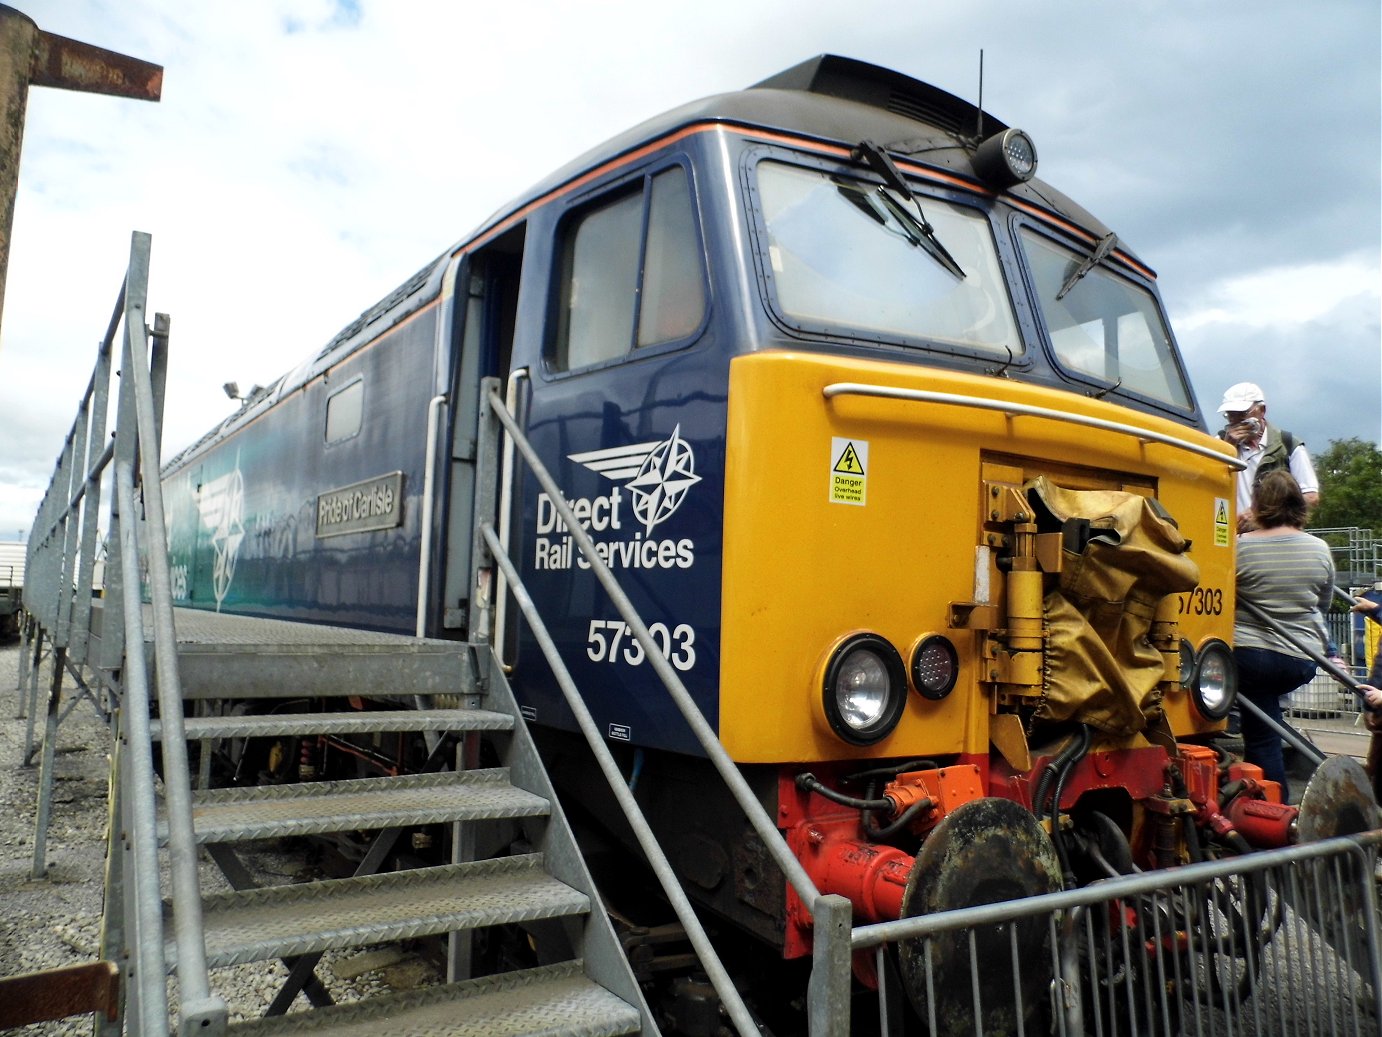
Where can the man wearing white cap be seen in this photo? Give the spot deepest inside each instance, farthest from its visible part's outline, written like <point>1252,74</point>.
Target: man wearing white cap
<point>1262,447</point>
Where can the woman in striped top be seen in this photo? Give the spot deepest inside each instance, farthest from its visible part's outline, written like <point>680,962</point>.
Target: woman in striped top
<point>1289,575</point>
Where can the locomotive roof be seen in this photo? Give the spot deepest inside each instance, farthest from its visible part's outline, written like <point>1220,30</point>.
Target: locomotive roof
<point>836,100</point>
<point>827,98</point>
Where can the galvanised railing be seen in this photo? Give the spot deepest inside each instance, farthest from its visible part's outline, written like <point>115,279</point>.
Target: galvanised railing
<point>60,564</point>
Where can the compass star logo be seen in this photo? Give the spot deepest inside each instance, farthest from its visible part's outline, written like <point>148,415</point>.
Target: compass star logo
<point>661,483</point>
<point>221,503</point>
<point>658,474</point>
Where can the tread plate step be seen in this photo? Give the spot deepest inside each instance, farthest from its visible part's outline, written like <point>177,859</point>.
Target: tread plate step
<point>356,722</point>
<point>552,1000</point>
<point>282,921</point>
<point>271,811</point>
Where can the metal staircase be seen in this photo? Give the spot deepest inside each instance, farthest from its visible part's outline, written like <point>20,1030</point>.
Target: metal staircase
<point>584,985</point>
<point>514,861</point>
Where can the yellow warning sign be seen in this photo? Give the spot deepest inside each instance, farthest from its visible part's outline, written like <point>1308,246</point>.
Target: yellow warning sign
<point>848,464</point>
<point>1221,523</point>
<point>849,470</point>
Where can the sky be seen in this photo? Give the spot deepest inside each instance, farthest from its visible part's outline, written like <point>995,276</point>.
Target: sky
<point>307,156</point>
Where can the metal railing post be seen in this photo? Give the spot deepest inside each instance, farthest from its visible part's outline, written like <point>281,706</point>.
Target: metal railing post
<point>137,798</point>
<point>26,622</point>
<point>435,409</point>
<point>96,458</point>
<point>828,990</point>
<point>124,451</point>
<point>199,1010</point>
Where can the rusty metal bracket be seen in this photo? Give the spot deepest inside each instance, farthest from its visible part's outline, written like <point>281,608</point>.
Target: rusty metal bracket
<point>38,997</point>
<point>31,57</point>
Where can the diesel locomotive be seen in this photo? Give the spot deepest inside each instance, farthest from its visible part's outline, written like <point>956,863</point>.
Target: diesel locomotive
<point>888,441</point>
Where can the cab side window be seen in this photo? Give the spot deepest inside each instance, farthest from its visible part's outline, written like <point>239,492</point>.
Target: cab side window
<point>345,412</point>
<point>631,273</point>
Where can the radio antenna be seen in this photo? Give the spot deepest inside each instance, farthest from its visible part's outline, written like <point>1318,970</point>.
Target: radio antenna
<point>979,132</point>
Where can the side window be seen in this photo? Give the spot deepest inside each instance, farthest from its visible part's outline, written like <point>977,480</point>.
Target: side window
<point>345,411</point>
<point>631,273</point>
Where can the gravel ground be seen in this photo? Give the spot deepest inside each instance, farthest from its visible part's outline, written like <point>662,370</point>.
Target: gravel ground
<point>56,920</point>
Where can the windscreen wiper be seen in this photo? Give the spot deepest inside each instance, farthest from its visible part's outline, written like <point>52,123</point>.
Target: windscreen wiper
<point>918,227</point>
<point>1101,251</point>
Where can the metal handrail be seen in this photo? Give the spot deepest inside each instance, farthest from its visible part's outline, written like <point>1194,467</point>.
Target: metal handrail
<point>61,557</point>
<point>136,771</point>
<point>709,741</point>
<point>429,481</point>
<point>1363,844</point>
<point>1009,408</point>
<point>199,1009</point>
<point>830,912</point>
<point>710,961</point>
<point>1064,907</point>
<point>1316,655</point>
<point>1285,730</point>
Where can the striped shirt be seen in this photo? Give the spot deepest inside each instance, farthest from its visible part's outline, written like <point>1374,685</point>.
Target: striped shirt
<point>1290,577</point>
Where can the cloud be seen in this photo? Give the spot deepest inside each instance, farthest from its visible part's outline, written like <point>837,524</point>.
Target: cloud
<point>1286,296</point>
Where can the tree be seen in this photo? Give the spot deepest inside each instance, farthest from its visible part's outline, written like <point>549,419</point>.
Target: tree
<point>1350,472</point>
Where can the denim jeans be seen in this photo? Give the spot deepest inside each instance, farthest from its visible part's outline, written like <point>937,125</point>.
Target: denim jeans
<point>1263,677</point>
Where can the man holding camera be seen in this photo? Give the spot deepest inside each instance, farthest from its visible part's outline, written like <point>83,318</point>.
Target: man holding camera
<point>1263,448</point>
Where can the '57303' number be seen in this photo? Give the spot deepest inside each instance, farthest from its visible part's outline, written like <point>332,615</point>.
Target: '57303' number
<point>1202,601</point>
<point>610,640</point>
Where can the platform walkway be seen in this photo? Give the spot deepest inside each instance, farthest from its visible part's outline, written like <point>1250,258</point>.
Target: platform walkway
<point>1341,734</point>
<point>221,654</point>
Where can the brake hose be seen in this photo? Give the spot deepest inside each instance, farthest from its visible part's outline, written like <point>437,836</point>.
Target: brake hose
<point>1067,766</point>
<point>808,783</point>
<point>1047,775</point>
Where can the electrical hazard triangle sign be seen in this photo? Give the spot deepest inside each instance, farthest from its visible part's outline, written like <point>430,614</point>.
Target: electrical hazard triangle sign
<point>849,471</point>
<point>1221,530</point>
<point>849,463</point>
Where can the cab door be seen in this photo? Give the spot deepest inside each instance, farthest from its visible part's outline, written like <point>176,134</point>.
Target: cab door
<point>484,304</point>
<point>625,405</point>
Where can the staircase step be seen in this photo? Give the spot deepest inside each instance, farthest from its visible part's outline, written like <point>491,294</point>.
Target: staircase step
<point>282,921</point>
<point>226,656</point>
<point>554,1000</point>
<point>239,814</point>
<point>356,722</point>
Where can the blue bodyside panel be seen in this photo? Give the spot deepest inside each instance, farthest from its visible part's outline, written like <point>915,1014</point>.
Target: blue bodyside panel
<point>639,453</point>
<point>248,531</point>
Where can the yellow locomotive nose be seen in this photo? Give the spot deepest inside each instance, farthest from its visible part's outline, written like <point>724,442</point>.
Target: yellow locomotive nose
<point>1014,566</point>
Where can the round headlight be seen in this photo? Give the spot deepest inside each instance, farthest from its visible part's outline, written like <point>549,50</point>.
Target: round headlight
<point>1214,686</point>
<point>1187,663</point>
<point>1005,159</point>
<point>935,667</point>
<point>865,689</point>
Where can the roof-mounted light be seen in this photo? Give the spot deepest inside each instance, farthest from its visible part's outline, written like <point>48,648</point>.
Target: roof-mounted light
<point>1005,159</point>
